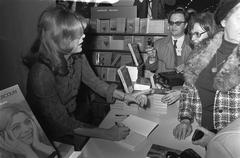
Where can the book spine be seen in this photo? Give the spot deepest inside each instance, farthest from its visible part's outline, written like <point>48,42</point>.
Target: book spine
<point>122,80</point>
<point>133,54</point>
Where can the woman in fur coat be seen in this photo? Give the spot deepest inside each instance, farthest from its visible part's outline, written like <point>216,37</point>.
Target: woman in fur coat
<point>211,94</point>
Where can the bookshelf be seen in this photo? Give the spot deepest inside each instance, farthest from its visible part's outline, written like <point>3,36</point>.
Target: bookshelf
<point>105,58</point>
<point>109,35</point>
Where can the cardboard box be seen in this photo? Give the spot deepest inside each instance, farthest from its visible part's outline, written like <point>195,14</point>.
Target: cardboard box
<point>114,12</point>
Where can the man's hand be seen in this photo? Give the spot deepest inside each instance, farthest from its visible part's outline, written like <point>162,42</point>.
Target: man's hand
<point>182,130</point>
<point>171,97</point>
<point>208,135</point>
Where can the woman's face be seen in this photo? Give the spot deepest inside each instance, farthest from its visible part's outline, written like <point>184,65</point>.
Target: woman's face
<point>77,44</point>
<point>21,127</point>
<point>198,34</point>
<point>232,26</point>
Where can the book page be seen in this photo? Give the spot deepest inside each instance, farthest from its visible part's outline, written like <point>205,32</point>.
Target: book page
<point>132,140</point>
<point>139,125</point>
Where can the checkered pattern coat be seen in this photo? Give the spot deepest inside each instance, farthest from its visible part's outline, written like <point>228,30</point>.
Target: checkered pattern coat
<point>227,83</point>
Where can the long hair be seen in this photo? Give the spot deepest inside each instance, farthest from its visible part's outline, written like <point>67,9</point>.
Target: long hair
<point>206,21</point>
<point>57,28</point>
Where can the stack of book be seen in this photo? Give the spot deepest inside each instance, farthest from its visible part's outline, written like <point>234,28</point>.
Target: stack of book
<point>157,107</point>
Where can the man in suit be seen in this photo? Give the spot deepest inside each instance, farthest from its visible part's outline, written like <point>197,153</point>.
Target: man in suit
<point>173,50</point>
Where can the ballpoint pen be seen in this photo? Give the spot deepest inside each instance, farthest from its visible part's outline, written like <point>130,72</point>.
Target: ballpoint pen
<point>121,115</point>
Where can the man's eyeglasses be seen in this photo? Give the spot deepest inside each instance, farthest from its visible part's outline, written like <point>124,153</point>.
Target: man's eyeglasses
<point>197,34</point>
<point>178,23</point>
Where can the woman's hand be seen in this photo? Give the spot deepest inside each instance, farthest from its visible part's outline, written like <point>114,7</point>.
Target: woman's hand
<point>171,97</point>
<point>10,143</point>
<point>141,99</point>
<point>182,130</point>
<point>117,132</point>
<point>205,139</point>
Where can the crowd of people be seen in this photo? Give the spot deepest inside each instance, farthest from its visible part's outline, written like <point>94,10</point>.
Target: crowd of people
<point>203,46</point>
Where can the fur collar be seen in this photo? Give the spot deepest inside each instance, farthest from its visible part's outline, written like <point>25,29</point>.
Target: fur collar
<point>229,75</point>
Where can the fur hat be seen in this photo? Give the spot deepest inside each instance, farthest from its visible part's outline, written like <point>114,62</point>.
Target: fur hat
<point>224,8</point>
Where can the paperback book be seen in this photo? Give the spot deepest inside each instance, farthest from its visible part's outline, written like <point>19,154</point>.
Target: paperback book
<point>21,136</point>
<point>140,129</point>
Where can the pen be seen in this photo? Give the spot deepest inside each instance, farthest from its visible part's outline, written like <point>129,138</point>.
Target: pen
<point>121,115</point>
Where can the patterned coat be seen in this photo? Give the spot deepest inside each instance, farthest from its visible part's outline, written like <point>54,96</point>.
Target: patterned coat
<point>226,82</point>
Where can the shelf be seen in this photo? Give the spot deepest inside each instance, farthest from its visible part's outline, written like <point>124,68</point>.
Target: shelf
<point>127,34</point>
<point>113,51</point>
<point>105,66</point>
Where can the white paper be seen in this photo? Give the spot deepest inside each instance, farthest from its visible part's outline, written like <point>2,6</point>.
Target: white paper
<point>139,125</point>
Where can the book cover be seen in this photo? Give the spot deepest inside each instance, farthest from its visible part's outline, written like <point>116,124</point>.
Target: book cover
<point>116,59</point>
<point>111,74</point>
<point>132,25</point>
<point>127,39</point>
<point>158,151</point>
<point>137,58</point>
<point>140,129</point>
<point>143,23</point>
<point>104,26</point>
<point>140,41</point>
<point>21,136</point>
<point>121,25</point>
<point>102,58</point>
<point>105,42</point>
<point>113,25</point>
<point>125,79</point>
<point>155,26</point>
<point>126,59</point>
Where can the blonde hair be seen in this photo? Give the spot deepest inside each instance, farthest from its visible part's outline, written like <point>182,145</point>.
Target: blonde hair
<point>7,111</point>
<point>57,27</point>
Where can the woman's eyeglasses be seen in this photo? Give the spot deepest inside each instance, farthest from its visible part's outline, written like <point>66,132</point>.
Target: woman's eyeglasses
<point>178,23</point>
<point>197,34</point>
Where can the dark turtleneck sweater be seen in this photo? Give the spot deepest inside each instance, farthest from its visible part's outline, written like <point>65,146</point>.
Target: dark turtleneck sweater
<point>204,83</point>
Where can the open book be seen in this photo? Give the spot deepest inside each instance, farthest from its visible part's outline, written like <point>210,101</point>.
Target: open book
<point>140,130</point>
<point>20,130</point>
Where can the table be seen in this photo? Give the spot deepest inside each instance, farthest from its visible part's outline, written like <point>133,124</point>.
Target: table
<point>162,135</point>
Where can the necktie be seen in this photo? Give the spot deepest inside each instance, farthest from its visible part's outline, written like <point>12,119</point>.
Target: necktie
<point>150,9</point>
<point>175,52</point>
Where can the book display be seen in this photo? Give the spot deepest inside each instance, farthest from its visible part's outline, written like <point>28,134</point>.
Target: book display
<point>117,32</point>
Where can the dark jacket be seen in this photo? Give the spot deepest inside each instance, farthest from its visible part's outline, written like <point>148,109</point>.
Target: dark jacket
<point>226,82</point>
<point>53,98</point>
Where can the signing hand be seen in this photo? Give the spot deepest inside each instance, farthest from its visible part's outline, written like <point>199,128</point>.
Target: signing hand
<point>205,139</point>
<point>171,97</point>
<point>182,130</point>
<point>117,132</point>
